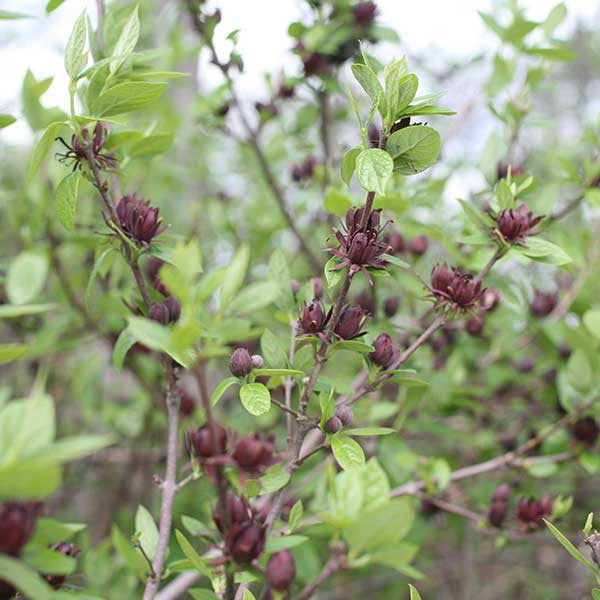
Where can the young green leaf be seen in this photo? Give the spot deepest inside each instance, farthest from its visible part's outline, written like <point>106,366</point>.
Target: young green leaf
<point>347,452</point>
<point>127,97</point>
<point>66,199</point>
<point>6,120</point>
<point>568,546</point>
<point>126,42</point>
<point>414,148</point>
<point>374,167</point>
<point>255,398</point>
<point>369,82</point>
<point>42,148</point>
<point>400,96</point>
<point>414,594</point>
<point>349,163</point>
<point>76,56</point>
<point>26,276</point>
<point>274,479</point>
<point>221,388</point>
<point>144,523</point>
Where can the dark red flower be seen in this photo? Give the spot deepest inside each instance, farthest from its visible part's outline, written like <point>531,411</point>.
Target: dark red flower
<point>254,453</point>
<point>17,522</point>
<point>531,511</point>
<point>281,570</point>
<point>543,304</point>
<point>390,307</point>
<point>76,152</point>
<point>313,318</point>
<point>350,323</point>
<point>187,403</point>
<point>364,13</point>
<point>385,352</point>
<point>457,290</point>
<point>360,246</point>
<point>315,64</point>
<point>396,243</point>
<point>474,326</point>
<point>245,542</point>
<point>418,245</point>
<point>138,220</point>
<point>516,224</point>
<point>202,444</point>
<point>159,312</point>
<point>499,505</point>
<point>238,510</point>
<point>240,363</point>
<point>366,301</point>
<point>586,430</point>
<point>373,135</point>
<point>304,170</point>
<point>285,91</point>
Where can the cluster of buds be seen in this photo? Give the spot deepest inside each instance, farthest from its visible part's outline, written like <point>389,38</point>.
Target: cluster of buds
<point>166,311</point>
<point>543,304</point>
<point>514,225</point>
<point>241,362</point>
<point>499,505</point>
<point>56,581</point>
<point>531,511</point>
<point>76,151</point>
<point>342,418</point>
<point>17,522</point>
<point>255,453</point>
<point>360,245</point>
<point>386,352</point>
<point>304,170</point>
<point>586,431</point>
<point>138,220</point>
<point>452,288</point>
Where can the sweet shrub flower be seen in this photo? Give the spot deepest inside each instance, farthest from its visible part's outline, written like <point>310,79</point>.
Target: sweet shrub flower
<point>385,352</point>
<point>76,151</point>
<point>350,324</point>
<point>499,505</point>
<point>245,542</point>
<point>313,318</point>
<point>17,522</point>
<point>138,220</point>
<point>254,453</point>
<point>451,288</point>
<point>281,570</point>
<point>516,224</point>
<point>202,444</point>
<point>238,510</point>
<point>240,363</point>
<point>530,511</point>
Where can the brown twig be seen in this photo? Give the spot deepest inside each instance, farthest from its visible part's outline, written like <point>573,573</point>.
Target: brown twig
<point>337,562</point>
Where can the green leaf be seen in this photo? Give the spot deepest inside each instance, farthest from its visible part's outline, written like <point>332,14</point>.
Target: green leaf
<point>414,148</point>
<point>9,15</point>
<point>126,42</point>
<point>347,452</point>
<point>337,201</point>
<point>10,352</point>
<point>591,319</point>
<point>349,163</point>
<point>397,262</point>
<point>328,406</point>
<point>221,388</point>
<point>75,55</point>
<point>369,82</point>
<point>95,270</point>
<point>122,346</point>
<point>504,195</point>
<point>333,276</point>
<point>127,97</point>
<point>144,523</point>
<point>42,148</point>
<point>234,275</point>
<point>24,579</point>
<point>6,120</point>
<point>255,398</point>
<point>194,526</point>
<point>596,594</point>
<point>542,250</point>
<point>276,372</point>
<point>296,515</point>
<point>49,531</point>
<point>34,479</point>
<point>66,199</point>
<point>187,548</point>
<point>414,594</point>
<point>370,431</point>
<point>255,296</point>
<point>568,546</point>
<point>272,350</point>
<point>135,561</point>
<point>588,524</point>
<point>203,594</point>
<point>49,561</point>
<point>77,446</point>
<point>248,595</point>
<point>274,479</point>
<point>283,542</point>
<point>26,276</point>
<point>352,346</point>
<point>373,168</point>
<point>401,96</point>
<point>476,216</point>
<point>53,5</point>
<point>555,17</point>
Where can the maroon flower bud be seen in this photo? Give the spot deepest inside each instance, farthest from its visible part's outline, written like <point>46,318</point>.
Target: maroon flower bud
<point>474,326</point>
<point>344,414</point>
<point>441,278</point>
<point>418,245</point>
<point>187,403</point>
<point>237,509</point>
<point>159,312</point>
<point>546,505</point>
<point>315,64</point>
<point>281,570</point>
<point>386,351</point>
<point>245,542</point>
<point>366,301</point>
<point>516,225</point>
<point>373,135</point>
<point>202,444</point>
<point>17,522</point>
<point>515,170</point>
<point>295,285</point>
<point>297,173</point>
<point>390,307</point>
<point>531,511</point>
<point>285,91</point>
<point>397,243</point>
<point>333,424</point>
<point>490,299</point>
<point>564,350</point>
<point>543,304</point>
<point>586,430</point>
<point>240,363</point>
<point>497,513</point>
<point>364,13</point>
<point>153,267</point>
<point>174,309</point>
<point>455,289</point>
<point>56,581</point>
<point>304,170</point>
<point>254,452</point>
<point>526,365</point>
<point>318,288</point>
<point>138,220</point>
<point>313,319</point>
<point>350,323</point>
<point>257,361</point>
<point>501,493</point>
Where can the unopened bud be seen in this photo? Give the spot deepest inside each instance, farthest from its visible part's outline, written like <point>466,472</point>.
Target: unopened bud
<point>240,364</point>
<point>281,570</point>
<point>257,361</point>
<point>333,425</point>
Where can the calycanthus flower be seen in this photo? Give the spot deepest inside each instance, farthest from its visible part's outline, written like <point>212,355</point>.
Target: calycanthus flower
<point>450,287</point>
<point>516,224</point>
<point>138,220</point>
<point>360,246</point>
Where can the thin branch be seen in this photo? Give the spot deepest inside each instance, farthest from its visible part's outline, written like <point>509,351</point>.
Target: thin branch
<point>563,212</point>
<point>325,132</point>
<point>289,384</point>
<point>337,562</point>
<point>289,411</point>
<point>100,24</point>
